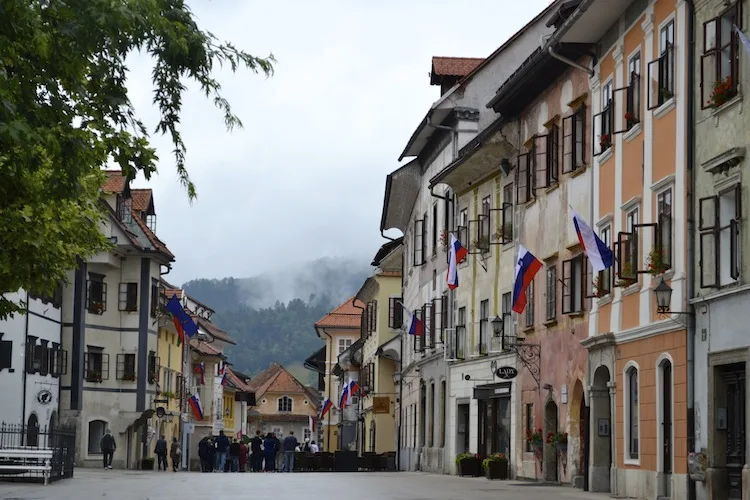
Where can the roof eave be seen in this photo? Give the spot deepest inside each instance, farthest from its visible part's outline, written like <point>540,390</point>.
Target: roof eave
<point>410,150</point>
<point>405,182</point>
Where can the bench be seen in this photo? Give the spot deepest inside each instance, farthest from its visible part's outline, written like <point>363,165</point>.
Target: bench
<point>27,460</point>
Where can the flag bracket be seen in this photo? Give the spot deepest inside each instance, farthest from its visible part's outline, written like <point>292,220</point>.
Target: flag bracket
<point>528,353</point>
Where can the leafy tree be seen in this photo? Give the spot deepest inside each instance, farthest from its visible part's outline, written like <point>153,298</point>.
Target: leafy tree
<point>65,112</point>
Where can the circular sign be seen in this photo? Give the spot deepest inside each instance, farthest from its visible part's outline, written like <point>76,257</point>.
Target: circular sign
<point>506,372</point>
<point>44,397</point>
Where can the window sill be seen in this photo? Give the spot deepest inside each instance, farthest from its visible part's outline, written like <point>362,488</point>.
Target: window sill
<point>552,188</point>
<point>665,108</point>
<point>576,314</point>
<point>578,171</point>
<point>731,103</point>
<point>634,132</point>
<point>631,289</point>
<point>632,461</point>
<point>527,329</point>
<point>665,276</point>
<point>603,301</point>
<point>530,202</point>
<point>550,322</point>
<point>609,153</point>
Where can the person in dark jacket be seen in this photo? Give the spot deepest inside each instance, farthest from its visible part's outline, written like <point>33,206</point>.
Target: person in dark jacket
<point>277,445</point>
<point>222,447</point>
<point>108,447</point>
<point>234,456</point>
<point>204,453</point>
<point>175,453</point>
<point>290,446</point>
<point>269,453</point>
<point>256,452</point>
<point>161,452</point>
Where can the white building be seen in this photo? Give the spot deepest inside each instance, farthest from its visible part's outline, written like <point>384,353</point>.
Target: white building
<point>110,330</point>
<point>31,362</point>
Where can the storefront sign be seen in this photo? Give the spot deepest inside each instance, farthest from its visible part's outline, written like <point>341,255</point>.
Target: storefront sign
<point>381,404</point>
<point>506,372</point>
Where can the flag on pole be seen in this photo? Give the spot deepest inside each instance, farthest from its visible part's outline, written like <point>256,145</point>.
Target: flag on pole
<point>311,422</point>
<point>743,39</point>
<point>344,399</point>
<point>327,405</point>
<point>183,323</point>
<point>353,387</point>
<point>201,369</point>
<point>412,323</point>
<point>456,253</point>
<point>195,404</point>
<point>224,380</point>
<point>599,254</point>
<point>526,268</point>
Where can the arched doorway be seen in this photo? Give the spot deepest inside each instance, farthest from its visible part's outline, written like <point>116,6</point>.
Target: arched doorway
<point>601,432</point>
<point>32,431</point>
<point>577,435</point>
<point>665,428</point>
<point>550,451</point>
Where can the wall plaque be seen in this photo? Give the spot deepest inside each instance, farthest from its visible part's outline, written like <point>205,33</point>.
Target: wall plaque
<point>381,404</point>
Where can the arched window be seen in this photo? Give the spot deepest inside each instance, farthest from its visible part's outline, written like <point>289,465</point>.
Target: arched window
<point>96,433</point>
<point>632,406</point>
<point>32,431</point>
<point>285,404</point>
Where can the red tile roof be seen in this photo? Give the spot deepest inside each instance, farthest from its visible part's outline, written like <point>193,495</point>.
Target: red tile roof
<point>276,379</point>
<point>141,199</point>
<point>346,315</point>
<point>237,382</point>
<point>214,330</point>
<point>454,66</point>
<point>115,182</point>
<point>204,348</point>
<point>155,241</point>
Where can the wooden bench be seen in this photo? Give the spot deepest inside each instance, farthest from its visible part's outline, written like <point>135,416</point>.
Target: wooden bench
<point>27,460</point>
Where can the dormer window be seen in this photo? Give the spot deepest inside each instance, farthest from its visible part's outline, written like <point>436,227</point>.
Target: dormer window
<point>126,210</point>
<point>151,222</point>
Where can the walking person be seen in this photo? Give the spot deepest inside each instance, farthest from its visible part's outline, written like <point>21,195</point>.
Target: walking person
<point>222,447</point>
<point>108,447</point>
<point>161,452</point>
<point>269,453</point>
<point>234,456</point>
<point>256,452</point>
<point>175,452</point>
<point>243,456</point>
<point>277,444</point>
<point>204,453</point>
<point>290,447</point>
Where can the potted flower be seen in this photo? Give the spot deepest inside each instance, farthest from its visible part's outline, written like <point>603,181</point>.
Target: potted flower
<point>482,243</point>
<point>630,119</point>
<point>94,376</point>
<point>599,288</point>
<point>626,275</point>
<point>535,438</point>
<point>496,466</point>
<point>505,233</point>
<point>468,464</point>
<point>129,377</point>
<point>445,238</point>
<point>655,262</point>
<point>722,91</point>
<point>559,440</point>
<point>97,308</point>
<point>665,93</point>
<point>605,141</point>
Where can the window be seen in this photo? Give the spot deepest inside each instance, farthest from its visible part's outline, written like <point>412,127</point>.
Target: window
<point>285,404</point>
<point>55,299</point>
<point>661,257</point>
<point>96,294</point>
<point>371,312</point>
<point>128,300</point>
<point>661,70</point>
<point>573,289</point>
<point>460,333</point>
<point>484,316</point>
<point>483,235</point>
<point>306,434</point>
<point>551,167</point>
<point>529,425</point>
<point>151,222</point>
<point>32,363</point>
<point>506,222</point>
<point>551,293</point>
<point>344,344</point>
<point>574,141</point>
<point>525,176</point>
<point>443,407</point>
<point>153,367</point>
<point>507,305</point>
<point>154,298</point>
<point>6,354</point>
<point>395,313</point>
<point>463,229</point>
<point>435,232</point>
<point>720,59</point>
<point>126,367</point>
<point>603,121</point>
<point>627,259</point>
<point>419,242</point>
<point>631,406</point>
<point>96,364</point>
<point>603,283</point>
<point>719,227</point>
<point>58,359</point>
<point>633,92</point>
<point>125,211</point>
<point>96,433</point>
<point>529,311</point>
<point>431,435</point>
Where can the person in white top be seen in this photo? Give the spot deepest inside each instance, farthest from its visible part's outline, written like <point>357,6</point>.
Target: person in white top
<point>314,447</point>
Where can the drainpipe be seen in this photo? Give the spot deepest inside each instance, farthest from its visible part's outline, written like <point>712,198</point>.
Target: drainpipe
<point>360,424</point>
<point>400,378</point>
<point>330,376</point>
<point>386,237</point>
<point>23,370</point>
<point>691,258</point>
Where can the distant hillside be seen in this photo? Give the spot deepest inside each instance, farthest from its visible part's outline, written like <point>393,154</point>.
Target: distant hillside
<point>271,316</point>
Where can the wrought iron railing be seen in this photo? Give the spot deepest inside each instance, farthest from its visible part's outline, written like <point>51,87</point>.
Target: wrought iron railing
<point>15,439</point>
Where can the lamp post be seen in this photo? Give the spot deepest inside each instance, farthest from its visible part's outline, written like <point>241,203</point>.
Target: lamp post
<point>663,293</point>
<point>498,326</point>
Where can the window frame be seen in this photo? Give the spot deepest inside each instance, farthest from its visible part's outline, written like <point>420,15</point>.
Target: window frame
<point>128,297</point>
<point>96,294</point>
<point>574,142</point>
<point>462,228</point>
<point>734,12</point>
<point>395,313</point>
<point>573,284</point>
<point>551,295</point>
<point>460,333</point>
<point>665,67</point>
<point>284,399</point>
<point>715,230</point>
<point>604,277</point>
<point>665,226</point>
<point>122,369</point>
<point>631,407</point>
<point>605,124</point>
<point>92,366</point>
<point>484,228</point>
<point>525,173</point>
<point>484,323</point>
<point>418,249</point>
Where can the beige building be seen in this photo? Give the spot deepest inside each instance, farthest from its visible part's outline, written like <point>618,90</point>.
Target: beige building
<point>381,323</point>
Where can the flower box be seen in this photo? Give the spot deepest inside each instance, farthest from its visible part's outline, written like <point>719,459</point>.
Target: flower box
<point>469,464</point>
<point>496,466</point>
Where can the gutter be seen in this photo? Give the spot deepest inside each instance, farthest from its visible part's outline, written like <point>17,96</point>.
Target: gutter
<point>328,383</point>
<point>691,258</point>
<point>554,39</point>
<point>360,423</point>
<point>25,371</point>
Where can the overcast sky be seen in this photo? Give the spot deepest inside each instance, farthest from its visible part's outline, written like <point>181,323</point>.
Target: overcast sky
<point>305,177</point>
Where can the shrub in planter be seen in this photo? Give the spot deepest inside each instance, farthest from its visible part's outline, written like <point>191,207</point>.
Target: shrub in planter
<point>468,464</point>
<point>559,440</point>
<point>537,443</point>
<point>496,466</point>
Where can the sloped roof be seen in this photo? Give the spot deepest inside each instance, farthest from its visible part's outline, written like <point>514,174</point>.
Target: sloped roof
<point>142,199</point>
<point>453,66</point>
<point>115,182</point>
<point>214,330</point>
<point>277,379</point>
<point>237,381</point>
<point>204,348</point>
<point>346,315</point>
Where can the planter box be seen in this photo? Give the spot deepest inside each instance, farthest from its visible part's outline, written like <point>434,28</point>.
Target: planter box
<point>470,467</point>
<point>147,464</point>
<point>497,470</point>
<point>562,448</point>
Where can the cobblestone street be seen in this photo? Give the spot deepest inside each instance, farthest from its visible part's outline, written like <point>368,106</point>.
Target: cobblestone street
<point>136,485</point>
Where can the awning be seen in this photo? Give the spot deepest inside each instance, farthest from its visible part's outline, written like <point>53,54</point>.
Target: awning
<point>401,190</point>
<point>390,349</point>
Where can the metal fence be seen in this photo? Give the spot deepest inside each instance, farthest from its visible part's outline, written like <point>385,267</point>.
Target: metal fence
<point>22,450</point>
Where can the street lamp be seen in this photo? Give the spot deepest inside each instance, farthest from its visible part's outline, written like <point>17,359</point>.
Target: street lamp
<point>498,326</point>
<point>663,294</point>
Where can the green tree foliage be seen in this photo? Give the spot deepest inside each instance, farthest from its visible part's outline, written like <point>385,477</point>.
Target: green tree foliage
<point>65,112</point>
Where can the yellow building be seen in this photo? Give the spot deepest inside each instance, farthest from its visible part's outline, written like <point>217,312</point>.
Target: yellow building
<point>381,323</point>
<point>339,329</point>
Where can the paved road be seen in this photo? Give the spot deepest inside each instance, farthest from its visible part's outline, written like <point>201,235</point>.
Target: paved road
<point>136,485</point>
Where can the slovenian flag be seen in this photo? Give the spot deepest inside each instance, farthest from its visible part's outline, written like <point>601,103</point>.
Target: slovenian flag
<point>224,380</point>
<point>183,323</point>
<point>743,39</point>
<point>195,404</point>
<point>327,405</point>
<point>456,253</point>
<point>353,387</point>
<point>599,255</point>
<point>201,368</point>
<point>412,323</point>
<point>311,423</point>
<point>344,399</point>
<point>526,269</point>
